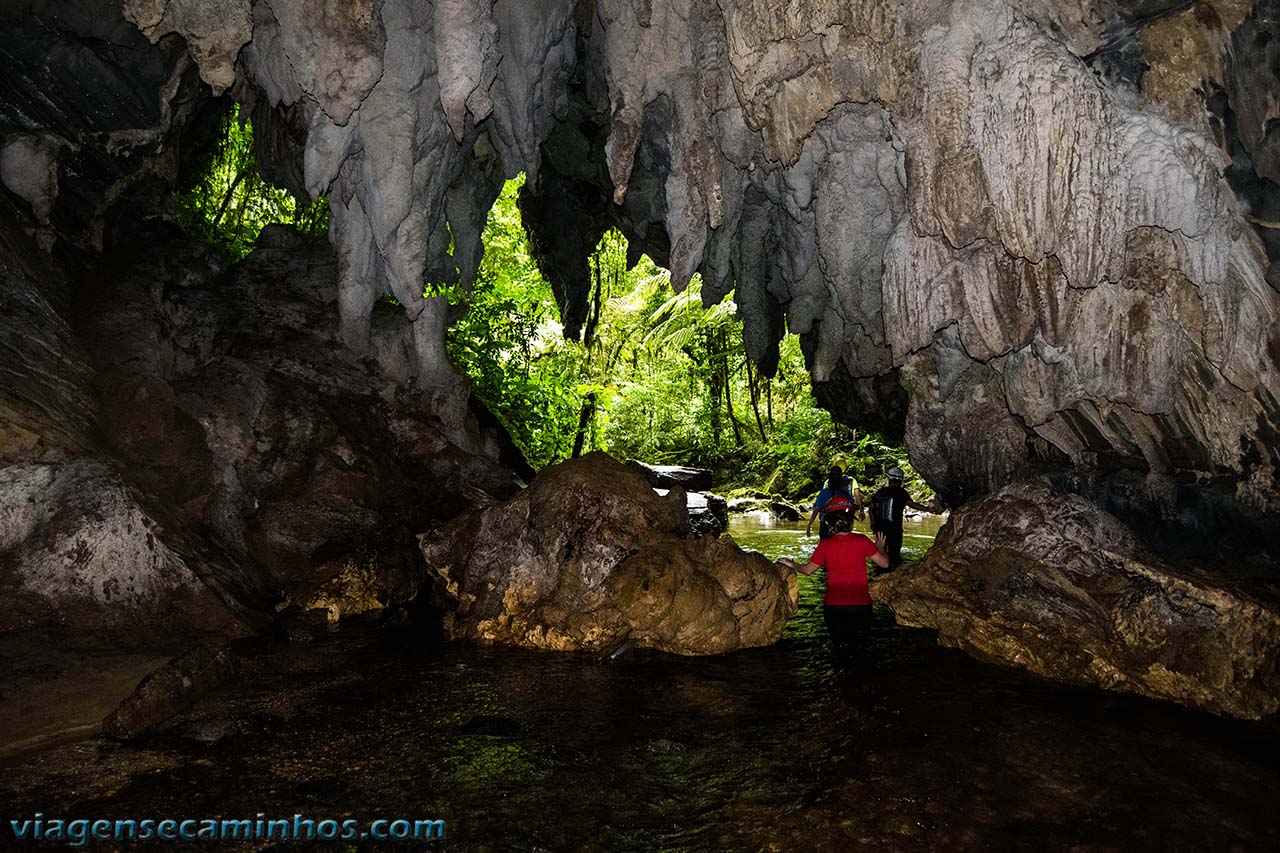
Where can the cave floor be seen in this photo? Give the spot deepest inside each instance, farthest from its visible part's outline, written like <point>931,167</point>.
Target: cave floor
<point>766,749</point>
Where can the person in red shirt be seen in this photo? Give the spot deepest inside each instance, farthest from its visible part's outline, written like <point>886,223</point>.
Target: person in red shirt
<point>846,607</point>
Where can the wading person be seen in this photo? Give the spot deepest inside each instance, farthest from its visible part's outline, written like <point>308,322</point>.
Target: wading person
<point>887,506</point>
<point>837,484</point>
<point>846,606</point>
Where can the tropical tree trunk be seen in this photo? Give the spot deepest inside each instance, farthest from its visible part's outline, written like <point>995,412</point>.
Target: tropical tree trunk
<point>728,393</point>
<point>584,423</point>
<point>754,389</point>
<point>231,191</point>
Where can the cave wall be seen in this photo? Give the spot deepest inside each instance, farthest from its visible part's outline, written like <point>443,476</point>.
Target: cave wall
<point>186,446</point>
<point>1028,236</point>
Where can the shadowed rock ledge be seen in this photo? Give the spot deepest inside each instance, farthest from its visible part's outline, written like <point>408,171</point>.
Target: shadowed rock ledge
<point>1048,582</point>
<point>589,557</point>
<point>193,435</point>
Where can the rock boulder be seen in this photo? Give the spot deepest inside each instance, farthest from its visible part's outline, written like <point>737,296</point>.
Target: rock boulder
<point>79,552</point>
<point>708,513</point>
<point>671,476</point>
<point>172,689</point>
<point>784,511</point>
<point>1047,582</point>
<point>589,556</point>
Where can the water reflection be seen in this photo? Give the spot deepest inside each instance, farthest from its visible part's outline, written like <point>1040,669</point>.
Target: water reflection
<point>760,531</point>
<point>764,749</point>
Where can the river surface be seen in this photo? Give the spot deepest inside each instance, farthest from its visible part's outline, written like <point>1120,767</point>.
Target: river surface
<point>766,749</point>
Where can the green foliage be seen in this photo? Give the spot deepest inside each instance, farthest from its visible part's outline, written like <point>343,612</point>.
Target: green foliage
<point>655,375</point>
<point>230,203</point>
<point>510,343</point>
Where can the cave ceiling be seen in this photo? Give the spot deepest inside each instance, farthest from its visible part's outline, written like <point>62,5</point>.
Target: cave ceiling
<point>1012,231</point>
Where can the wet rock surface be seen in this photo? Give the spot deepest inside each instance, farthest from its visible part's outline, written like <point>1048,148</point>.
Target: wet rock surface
<point>171,689</point>
<point>784,510</point>
<point>776,506</point>
<point>671,476</point>
<point>589,556</point>
<point>1036,579</point>
<point>192,441</point>
<point>708,513</point>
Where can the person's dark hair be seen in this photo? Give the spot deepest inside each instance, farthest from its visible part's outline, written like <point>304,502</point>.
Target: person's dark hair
<point>835,478</point>
<point>840,522</point>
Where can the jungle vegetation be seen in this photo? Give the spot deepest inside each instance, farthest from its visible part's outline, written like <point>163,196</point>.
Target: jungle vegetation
<point>229,203</point>
<point>655,376</point>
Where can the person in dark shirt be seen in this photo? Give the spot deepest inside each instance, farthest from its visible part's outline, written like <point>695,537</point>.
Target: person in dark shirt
<point>846,605</point>
<point>887,506</point>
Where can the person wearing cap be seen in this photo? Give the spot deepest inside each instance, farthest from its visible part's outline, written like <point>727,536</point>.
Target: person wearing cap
<point>837,484</point>
<point>887,506</point>
<point>846,605</point>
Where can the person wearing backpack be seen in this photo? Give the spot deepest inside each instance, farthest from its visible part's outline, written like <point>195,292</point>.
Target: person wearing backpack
<point>837,484</point>
<point>887,506</point>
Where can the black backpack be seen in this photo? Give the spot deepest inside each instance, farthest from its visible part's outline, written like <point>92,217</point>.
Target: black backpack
<point>881,508</point>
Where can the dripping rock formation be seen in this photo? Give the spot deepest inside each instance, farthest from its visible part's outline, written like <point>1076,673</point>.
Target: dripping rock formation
<point>1025,235</point>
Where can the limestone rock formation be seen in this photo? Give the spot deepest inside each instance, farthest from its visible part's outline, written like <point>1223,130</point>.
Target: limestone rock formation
<point>82,549</point>
<point>231,396</point>
<point>1045,581</point>
<point>589,556</point>
<point>78,552</point>
<point>672,476</point>
<point>708,513</point>
<point>92,112</point>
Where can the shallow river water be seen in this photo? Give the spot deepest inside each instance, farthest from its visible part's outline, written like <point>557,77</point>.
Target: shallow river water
<point>766,749</point>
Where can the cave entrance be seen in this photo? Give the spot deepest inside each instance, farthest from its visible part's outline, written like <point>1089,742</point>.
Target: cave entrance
<point>653,376</point>
<point>224,198</point>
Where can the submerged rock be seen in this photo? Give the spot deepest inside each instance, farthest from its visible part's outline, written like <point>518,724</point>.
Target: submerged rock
<point>708,513</point>
<point>1048,582</point>
<point>589,556</point>
<point>172,689</point>
<point>672,476</point>
<point>775,506</point>
<point>784,511</point>
<point>746,503</point>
